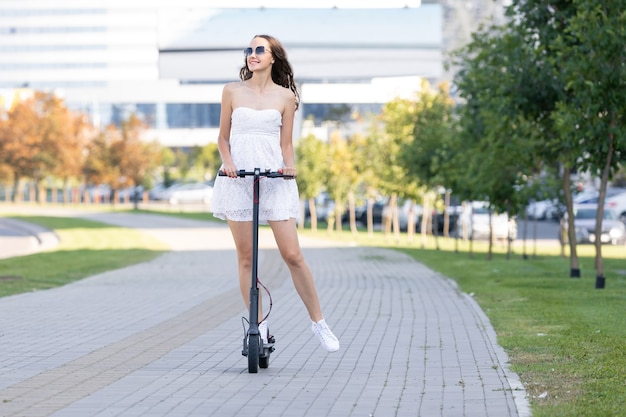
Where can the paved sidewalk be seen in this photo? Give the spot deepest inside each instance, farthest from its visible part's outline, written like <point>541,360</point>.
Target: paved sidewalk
<point>164,338</point>
<point>19,238</point>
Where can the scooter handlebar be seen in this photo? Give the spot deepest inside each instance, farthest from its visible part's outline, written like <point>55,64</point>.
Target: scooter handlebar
<point>271,174</point>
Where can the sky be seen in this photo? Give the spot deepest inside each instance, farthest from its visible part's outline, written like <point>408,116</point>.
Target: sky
<point>303,4</point>
<point>219,4</point>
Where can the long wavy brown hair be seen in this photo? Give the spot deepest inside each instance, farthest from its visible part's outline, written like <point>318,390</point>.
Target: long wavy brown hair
<point>282,73</point>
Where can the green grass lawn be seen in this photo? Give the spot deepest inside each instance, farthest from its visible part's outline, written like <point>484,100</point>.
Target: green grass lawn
<point>86,248</point>
<point>565,339</point>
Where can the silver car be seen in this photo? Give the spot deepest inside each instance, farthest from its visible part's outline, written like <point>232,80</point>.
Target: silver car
<point>196,192</point>
<point>613,230</point>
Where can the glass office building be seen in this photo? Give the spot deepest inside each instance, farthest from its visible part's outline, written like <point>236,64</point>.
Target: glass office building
<point>167,61</point>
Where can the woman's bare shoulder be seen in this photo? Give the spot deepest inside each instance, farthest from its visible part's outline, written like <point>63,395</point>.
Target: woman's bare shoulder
<point>287,96</point>
<point>233,86</point>
<point>286,92</point>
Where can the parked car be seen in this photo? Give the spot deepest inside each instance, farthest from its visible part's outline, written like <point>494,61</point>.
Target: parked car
<point>381,209</point>
<point>156,191</point>
<point>195,192</point>
<point>475,220</point>
<point>615,200</point>
<point>377,211</point>
<point>613,230</point>
<point>592,195</point>
<point>543,209</point>
<point>324,206</point>
<point>404,208</point>
<point>617,203</point>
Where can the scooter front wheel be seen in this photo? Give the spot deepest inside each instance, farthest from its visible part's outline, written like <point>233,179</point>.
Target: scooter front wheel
<point>254,347</point>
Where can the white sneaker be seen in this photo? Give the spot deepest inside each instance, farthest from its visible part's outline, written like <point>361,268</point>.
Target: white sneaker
<point>328,340</point>
<point>263,331</point>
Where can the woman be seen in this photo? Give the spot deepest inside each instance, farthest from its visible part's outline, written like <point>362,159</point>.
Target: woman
<point>256,126</point>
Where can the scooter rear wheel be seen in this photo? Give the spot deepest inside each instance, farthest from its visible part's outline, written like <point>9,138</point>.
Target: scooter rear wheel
<point>254,347</point>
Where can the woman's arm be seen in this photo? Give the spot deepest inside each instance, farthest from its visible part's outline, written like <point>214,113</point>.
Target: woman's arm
<point>223,138</point>
<point>286,134</point>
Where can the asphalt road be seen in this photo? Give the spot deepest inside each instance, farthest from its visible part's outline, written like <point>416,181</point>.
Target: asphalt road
<point>539,229</point>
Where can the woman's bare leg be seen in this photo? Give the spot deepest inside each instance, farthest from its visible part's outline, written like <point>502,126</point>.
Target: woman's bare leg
<point>286,236</point>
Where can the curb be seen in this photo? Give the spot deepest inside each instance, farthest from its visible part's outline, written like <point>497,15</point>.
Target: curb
<point>28,238</point>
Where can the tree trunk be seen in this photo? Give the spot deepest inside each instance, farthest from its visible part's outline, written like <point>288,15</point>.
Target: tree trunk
<point>386,220</point>
<point>330,218</point>
<point>394,217</point>
<point>425,218</point>
<point>509,237</point>
<point>313,213</point>
<point>446,215</point>
<point>571,231</point>
<point>15,195</point>
<point>65,195</point>
<point>338,214</point>
<point>370,217</point>
<point>302,218</point>
<point>490,250</point>
<point>434,223</point>
<point>600,215</point>
<point>524,231</point>
<point>534,238</point>
<point>471,231</point>
<point>351,213</point>
<point>410,224</point>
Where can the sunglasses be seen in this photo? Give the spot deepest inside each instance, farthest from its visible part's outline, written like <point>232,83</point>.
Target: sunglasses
<point>259,50</point>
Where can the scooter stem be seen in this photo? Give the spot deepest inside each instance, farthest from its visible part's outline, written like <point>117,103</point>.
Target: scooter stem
<point>254,288</point>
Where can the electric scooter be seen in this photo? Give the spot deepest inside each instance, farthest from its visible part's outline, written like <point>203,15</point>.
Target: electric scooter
<point>258,353</point>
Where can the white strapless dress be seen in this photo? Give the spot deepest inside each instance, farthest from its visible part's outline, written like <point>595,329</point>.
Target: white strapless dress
<point>255,143</point>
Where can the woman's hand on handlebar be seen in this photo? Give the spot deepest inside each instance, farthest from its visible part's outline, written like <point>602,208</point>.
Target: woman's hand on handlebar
<point>230,170</point>
<point>288,172</point>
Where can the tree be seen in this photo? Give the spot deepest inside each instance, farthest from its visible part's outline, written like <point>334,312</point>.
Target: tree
<point>341,177</point>
<point>593,62</point>
<point>367,154</point>
<point>358,176</point>
<point>21,144</point>
<point>311,162</point>
<point>168,161</point>
<point>184,163</point>
<point>99,167</point>
<point>510,83</point>
<point>207,158</point>
<point>133,158</point>
<point>5,169</point>
<point>71,156</point>
<point>41,137</point>
<point>423,154</point>
<point>398,117</point>
<point>118,156</point>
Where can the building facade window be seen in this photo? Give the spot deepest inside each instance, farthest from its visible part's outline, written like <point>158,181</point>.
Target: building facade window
<point>344,112</point>
<point>192,115</point>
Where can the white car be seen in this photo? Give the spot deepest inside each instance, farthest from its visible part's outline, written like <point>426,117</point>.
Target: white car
<point>474,221</point>
<point>613,230</point>
<point>617,203</point>
<point>542,209</point>
<point>197,192</point>
<point>615,200</point>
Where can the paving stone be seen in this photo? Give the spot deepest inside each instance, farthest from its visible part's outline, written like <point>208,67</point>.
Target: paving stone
<point>164,338</point>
